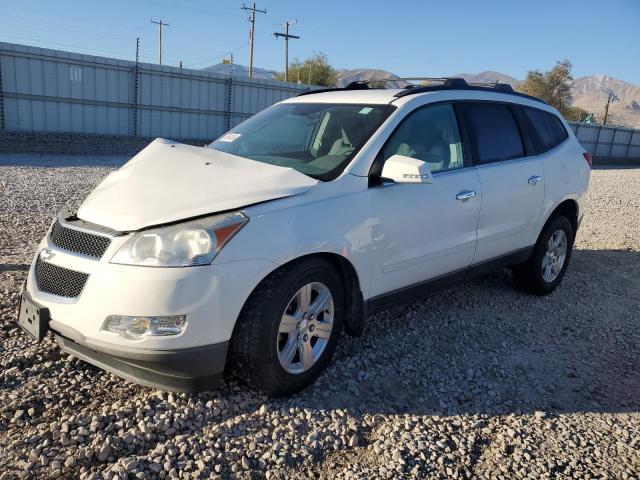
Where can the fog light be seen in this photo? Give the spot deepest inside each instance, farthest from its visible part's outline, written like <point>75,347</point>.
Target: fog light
<point>137,327</point>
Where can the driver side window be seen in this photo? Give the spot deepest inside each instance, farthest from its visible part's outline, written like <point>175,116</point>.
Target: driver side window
<point>429,134</point>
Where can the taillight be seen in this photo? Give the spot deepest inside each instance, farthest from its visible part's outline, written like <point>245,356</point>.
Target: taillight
<point>587,157</point>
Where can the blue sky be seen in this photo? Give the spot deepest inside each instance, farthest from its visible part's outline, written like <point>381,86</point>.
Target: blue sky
<point>408,38</point>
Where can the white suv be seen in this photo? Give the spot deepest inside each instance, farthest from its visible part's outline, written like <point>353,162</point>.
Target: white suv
<point>255,252</point>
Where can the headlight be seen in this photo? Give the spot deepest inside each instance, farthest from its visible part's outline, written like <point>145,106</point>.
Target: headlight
<point>187,244</point>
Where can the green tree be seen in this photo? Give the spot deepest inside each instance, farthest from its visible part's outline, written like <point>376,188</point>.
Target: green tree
<point>576,114</point>
<point>314,70</point>
<point>553,86</point>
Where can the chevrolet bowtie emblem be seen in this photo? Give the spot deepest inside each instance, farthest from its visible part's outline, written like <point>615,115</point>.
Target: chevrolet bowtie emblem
<point>47,253</point>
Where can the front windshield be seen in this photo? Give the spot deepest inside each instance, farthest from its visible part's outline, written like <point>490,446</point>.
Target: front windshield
<point>317,139</point>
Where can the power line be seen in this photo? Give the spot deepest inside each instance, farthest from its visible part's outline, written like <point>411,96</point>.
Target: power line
<point>286,37</point>
<point>72,47</point>
<point>252,19</point>
<point>107,49</point>
<point>160,25</point>
<point>206,61</point>
<point>20,22</point>
<point>77,38</point>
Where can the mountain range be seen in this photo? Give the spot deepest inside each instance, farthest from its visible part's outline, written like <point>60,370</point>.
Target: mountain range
<point>587,91</point>
<point>241,71</point>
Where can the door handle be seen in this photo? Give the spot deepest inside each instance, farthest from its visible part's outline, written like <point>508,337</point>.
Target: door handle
<point>466,195</point>
<point>534,180</point>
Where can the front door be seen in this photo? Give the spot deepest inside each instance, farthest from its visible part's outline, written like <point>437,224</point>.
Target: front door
<point>424,231</point>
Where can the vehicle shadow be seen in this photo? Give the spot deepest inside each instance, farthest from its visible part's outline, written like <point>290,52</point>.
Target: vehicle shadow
<point>616,166</point>
<point>478,348</point>
<point>14,267</point>
<point>484,347</point>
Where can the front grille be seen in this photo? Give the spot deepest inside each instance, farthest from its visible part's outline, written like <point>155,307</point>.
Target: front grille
<point>78,241</point>
<point>59,281</point>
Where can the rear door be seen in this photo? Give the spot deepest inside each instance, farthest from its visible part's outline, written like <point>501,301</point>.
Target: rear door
<point>512,180</point>
<point>555,154</point>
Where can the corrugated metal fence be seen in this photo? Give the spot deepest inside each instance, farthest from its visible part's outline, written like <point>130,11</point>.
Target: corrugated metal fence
<point>46,90</point>
<point>608,141</point>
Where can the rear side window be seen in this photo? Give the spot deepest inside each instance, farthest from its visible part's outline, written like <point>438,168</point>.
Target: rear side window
<point>494,132</point>
<point>548,128</point>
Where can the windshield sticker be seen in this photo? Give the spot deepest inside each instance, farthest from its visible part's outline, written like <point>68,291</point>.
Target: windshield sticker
<point>365,110</point>
<point>229,137</point>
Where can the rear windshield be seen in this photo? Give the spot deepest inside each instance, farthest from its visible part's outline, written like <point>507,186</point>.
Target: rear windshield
<point>317,139</point>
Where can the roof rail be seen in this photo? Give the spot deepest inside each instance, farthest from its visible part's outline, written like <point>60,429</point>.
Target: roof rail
<point>364,84</point>
<point>443,80</point>
<point>461,84</point>
<point>359,85</point>
<point>501,87</point>
<point>445,83</point>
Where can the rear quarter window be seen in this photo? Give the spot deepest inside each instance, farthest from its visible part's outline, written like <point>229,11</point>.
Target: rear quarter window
<point>548,128</point>
<point>557,128</point>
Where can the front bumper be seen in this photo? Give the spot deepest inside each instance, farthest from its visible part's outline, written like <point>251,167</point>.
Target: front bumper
<point>186,370</point>
<point>210,296</point>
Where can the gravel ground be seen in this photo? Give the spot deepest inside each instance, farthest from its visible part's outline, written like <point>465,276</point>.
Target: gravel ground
<point>475,381</point>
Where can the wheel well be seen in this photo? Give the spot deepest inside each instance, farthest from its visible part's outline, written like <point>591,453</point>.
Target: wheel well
<point>568,208</point>
<point>354,314</point>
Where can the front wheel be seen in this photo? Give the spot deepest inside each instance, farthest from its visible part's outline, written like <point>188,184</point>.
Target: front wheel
<point>546,267</point>
<point>289,328</point>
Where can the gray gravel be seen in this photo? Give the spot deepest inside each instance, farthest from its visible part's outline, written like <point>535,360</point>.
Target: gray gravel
<point>475,381</point>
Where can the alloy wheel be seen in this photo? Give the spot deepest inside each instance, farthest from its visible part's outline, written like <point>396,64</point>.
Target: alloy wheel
<point>555,255</point>
<point>305,328</point>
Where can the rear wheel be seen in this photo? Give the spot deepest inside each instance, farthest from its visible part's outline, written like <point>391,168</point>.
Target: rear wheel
<point>546,267</point>
<point>289,328</point>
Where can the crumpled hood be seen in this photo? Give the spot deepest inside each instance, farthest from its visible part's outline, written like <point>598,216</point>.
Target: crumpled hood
<point>169,181</point>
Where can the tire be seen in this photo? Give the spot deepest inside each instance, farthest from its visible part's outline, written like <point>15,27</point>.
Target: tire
<point>531,275</point>
<point>259,346</point>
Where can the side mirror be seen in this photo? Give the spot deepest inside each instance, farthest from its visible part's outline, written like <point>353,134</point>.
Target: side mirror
<point>403,169</point>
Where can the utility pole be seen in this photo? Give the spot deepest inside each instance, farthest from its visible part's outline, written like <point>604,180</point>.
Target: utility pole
<point>160,25</point>
<point>252,19</point>
<point>606,109</point>
<point>610,97</point>
<point>286,37</point>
